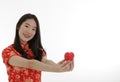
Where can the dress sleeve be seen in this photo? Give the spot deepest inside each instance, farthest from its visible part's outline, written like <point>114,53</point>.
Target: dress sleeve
<point>43,52</point>
<point>6,54</point>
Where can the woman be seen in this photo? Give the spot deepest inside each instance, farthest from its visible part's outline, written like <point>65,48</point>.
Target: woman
<point>26,57</point>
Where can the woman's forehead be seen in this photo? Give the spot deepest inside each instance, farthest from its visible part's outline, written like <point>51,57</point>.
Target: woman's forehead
<point>31,22</point>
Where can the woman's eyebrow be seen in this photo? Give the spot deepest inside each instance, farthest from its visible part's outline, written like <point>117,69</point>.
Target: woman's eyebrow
<point>27,24</point>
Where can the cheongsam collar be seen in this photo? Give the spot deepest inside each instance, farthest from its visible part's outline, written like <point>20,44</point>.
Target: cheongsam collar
<point>25,46</point>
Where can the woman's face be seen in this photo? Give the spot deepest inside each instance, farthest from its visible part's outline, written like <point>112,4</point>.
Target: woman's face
<point>27,30</point>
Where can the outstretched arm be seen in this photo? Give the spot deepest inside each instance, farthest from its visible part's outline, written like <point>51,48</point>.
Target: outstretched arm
<point>50,62</point>
<point>37,65</point>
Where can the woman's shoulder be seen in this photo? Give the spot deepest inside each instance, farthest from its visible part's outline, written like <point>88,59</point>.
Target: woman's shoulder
<point>44,52</point>
<point>41,49</point>
<point>9,47</point>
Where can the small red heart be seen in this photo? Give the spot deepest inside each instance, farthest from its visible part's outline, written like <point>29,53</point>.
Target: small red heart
<point>69,56</point>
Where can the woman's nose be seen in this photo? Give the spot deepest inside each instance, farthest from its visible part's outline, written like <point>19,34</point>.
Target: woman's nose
<point>29,30</point>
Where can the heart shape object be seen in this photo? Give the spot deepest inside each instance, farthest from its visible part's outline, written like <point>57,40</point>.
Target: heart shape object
<point>69,56</point>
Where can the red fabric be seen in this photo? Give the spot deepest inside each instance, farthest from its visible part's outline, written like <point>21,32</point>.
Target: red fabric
<point>20,74</point>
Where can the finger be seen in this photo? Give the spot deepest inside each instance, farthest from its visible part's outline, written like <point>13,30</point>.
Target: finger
<point>72,65</point>
<point>66,67</point>
<point>63,64</point>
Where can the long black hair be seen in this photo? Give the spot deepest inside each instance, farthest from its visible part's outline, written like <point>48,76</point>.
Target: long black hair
<point>34,44</point>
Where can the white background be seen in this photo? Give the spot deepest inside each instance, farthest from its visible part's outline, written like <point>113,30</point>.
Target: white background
<point>89,28</point>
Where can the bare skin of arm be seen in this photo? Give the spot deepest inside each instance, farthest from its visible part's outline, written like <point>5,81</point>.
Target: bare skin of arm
<point>50,62</point>
<point>44,65</point>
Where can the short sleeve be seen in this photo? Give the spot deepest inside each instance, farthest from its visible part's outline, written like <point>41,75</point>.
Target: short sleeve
<point>43,52</point>
<point>6,54</point>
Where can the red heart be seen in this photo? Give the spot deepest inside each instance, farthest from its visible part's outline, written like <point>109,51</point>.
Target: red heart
<point>69,56</point>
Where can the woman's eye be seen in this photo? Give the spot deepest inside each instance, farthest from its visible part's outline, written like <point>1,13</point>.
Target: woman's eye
<point>34,29</point>
<point>26,26</point>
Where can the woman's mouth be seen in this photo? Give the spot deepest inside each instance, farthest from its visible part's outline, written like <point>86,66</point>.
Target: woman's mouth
<point>26,35</point>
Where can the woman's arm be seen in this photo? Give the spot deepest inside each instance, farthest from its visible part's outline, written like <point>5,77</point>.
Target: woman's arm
<point>50,62</point>
<point>46,61</point>
<point>37,65</point>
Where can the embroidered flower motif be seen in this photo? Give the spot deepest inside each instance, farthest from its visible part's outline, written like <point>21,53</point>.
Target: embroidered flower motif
<point>19,74</point>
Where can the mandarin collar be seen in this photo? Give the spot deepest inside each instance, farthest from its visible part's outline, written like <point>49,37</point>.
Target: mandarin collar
<point>25,46</point>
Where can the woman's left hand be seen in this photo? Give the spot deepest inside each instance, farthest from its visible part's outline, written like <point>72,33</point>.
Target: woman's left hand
<point>68,64</point>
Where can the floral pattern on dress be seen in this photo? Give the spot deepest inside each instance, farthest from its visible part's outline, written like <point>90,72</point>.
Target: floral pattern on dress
<point>20,74</point>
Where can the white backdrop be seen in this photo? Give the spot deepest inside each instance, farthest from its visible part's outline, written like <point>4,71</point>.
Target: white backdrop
<point>89,28</point>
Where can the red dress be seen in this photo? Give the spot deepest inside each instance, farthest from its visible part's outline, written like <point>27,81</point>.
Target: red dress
<point>20,74</point>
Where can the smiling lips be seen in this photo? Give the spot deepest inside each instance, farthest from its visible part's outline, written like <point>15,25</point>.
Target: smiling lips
<point>26,35</point>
